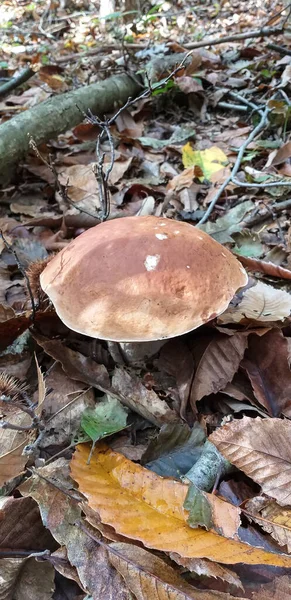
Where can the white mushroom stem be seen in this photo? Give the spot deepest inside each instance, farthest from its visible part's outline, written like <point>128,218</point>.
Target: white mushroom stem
<point>133,353</point>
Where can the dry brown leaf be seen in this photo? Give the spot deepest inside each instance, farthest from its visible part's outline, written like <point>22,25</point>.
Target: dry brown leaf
<point>274,519</point>
<point>279,589</point>
<point>266,363</point>
<point>261,448</point>
<point>143,506</point>
<point>218,365</point>
<point>129,389</point>
<point>21,525</point>
<point>59,514</point>
<point>207,568</point>
<point>183,180</point>
<point>41,387</point>
<point>260,303</point>
<point>269,268</point>
<point>26,578</point>
<point>150,578</point>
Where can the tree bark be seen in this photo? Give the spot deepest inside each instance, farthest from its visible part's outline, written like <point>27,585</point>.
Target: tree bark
<point>58,114</point>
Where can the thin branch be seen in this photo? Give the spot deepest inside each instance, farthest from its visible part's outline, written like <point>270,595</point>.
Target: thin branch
<point>263,32</point>
<point>16,81</point>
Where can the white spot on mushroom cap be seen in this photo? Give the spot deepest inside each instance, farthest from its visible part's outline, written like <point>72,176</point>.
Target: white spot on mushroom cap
<point>223,254</point>
<point>151,262</point>
<point>162,224</point>
<point>161,236</point>
<point>200,237</point>
<point>177,231</point>
<point>188,266</point>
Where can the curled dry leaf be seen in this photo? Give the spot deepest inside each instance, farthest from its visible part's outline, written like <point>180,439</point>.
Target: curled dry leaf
<point>143,506</point>
<point>129,389</point>
<point>203,567</point>
<point>261,448</point>
<point>273,518</point>
<point>260,303</point>
<point>149,577</point>
<point>26,578</point>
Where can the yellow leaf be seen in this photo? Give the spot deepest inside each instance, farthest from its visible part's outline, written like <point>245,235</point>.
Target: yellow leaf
<point>143,506</point>
<point>210,160</point>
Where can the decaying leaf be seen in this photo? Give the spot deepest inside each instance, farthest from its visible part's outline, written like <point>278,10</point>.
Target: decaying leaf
<point>266,363</point>
<point>209,160</point>
<point>206,568</point>
<point>218,364</point>
<point>224,227</point>
<point>273,518</point>
<point>210,511</point>
<point>260,303</point>
<point>149,577</point>
<point>261,448</point>
<point>131,391</point>
<point>26,578</point>
<point>279,589</point>
<point>143,506</point>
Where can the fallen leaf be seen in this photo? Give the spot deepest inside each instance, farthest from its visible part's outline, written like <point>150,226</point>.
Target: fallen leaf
<point>149,577</point>
<point>129,389</point>
<point>106,418</point>
<point>206,568</point>
<point>279,156</point>
<point>223,228</point>
<point>279,589</point>
<point>269,268</point>
<point>213,513</point>
<point>209,160</point>
<point>261,448</point>
<point>262,303</point>
<point>274,519</point>
<point>143,506</point>
<point>181,181</point>
<point>266,363</point>
<point>22,527</point>
<point>248,244</point>
<point>26,578</point>
<point>59,514</point>
<point>175,449</point>
<point>176,359</point>
<point>218,365</point>
<point>188,85</point>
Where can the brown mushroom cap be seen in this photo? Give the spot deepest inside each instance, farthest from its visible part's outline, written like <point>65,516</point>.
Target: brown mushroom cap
<point>141,279</point>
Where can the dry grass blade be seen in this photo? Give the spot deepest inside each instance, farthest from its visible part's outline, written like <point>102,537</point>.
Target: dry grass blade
<point>262,449</point>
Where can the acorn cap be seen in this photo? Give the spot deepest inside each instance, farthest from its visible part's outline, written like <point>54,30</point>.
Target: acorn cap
<point>138,279</point>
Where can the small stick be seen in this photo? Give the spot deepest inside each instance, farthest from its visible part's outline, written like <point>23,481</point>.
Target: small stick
<point>263,32</point>
<point>16,81</point>
<point>279,49</point>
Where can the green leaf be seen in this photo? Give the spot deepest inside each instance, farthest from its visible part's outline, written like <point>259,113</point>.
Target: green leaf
<point>108,417</point>
<point>200,511</point>
<point>224,227</point>
<point>210,160</point>
<point>248,244</point>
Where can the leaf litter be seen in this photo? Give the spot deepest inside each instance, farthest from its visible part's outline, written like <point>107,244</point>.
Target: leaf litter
<point>209,413</point>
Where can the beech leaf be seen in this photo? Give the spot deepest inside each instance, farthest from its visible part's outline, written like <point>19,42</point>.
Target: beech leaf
<point>260,303</point>
<point>149,577</point>
<point>261,448</point>
<point>143,506</point>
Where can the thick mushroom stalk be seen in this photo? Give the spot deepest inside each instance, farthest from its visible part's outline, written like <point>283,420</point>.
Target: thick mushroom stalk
<point>141,279</point>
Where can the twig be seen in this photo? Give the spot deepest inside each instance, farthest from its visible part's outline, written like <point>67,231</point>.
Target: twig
<point>279,49</point>
<point>102,176</point>
<point>263,32</point>
<point>16,81</point>
<point>229,106</point>
<point>244,100</point>
<point>236,166</point>
<point>22,271</point>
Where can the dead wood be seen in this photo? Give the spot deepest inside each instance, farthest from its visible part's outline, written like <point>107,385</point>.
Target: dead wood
<point>58,114</point>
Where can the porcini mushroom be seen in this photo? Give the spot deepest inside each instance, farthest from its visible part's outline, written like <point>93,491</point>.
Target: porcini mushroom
<point>141,279</point>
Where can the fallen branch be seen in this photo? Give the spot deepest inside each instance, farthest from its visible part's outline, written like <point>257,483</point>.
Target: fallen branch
<point>60,113</point>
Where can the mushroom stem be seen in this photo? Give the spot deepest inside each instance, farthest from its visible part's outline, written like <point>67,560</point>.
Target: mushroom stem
<point>134,353</point>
